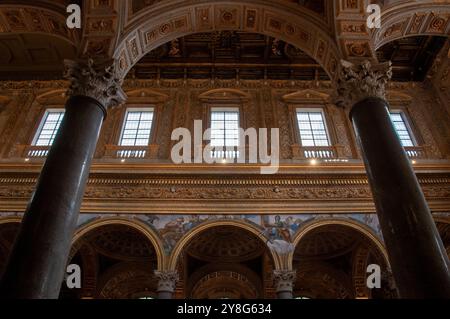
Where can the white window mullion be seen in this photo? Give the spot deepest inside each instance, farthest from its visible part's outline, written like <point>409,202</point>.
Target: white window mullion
<point>403,129</point>
<point>48,127</point>
<point>224,130</point>
<point>137,127</point>
<point>312,128</point>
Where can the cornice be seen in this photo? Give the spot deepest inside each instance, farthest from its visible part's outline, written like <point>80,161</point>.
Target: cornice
<point>130,84</point>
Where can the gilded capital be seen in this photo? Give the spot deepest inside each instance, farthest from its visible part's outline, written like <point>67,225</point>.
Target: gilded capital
<point>98,81</point>
<point>284,280</point>
<point>167,280</point>
<point>357,82</point>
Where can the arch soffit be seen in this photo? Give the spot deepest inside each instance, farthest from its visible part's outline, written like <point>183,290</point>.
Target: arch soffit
<point>37,19</point>
<point>412,19</point>
<point>186,239</point>
<point>355,225</point>
<point>137,225</point>
<point>264,17</point>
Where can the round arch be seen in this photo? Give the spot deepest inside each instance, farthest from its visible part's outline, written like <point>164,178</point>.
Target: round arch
<point>295,25</point>
<point>195,280</point>
<point>362,229</point>
<point>184,241</point>
<point>415,19</point>
<point>135,224</point>
<point>49,21</point>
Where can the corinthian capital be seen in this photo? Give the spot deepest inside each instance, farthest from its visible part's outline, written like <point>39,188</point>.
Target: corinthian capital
<point>284,280</point>
<point>98,81</point>
<point>167,280</point>
<point>358,82</point>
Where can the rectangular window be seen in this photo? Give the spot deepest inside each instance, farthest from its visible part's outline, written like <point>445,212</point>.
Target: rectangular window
<point>225,131</point>
<point>137,127</point>
<point>402,127</point>
<point>312,127</point>
<point>225,127</point>
<point>49,127</point>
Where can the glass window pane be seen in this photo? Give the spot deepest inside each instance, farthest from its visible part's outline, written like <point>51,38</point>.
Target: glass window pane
<point>49,127</point>
<point>224,129</point>
<point>137,128</point>
<point>402,129</point>
<point>312,128</point>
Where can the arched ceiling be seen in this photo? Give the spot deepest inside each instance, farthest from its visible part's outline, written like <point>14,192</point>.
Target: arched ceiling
<point>34,39</point>
<point>327,242</point>
<point>327,31</point>
<point>120,242</point>
<point>225,244</point>
<point>290,22</point>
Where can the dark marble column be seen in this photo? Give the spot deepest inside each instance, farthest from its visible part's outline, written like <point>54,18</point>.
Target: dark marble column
<point>284,283</point>
<point>417,256</point>
<point>38,260</point>
<point>167,282</point>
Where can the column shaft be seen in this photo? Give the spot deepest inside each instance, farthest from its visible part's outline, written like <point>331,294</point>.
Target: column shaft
<point>418,259</point>
<point>37,263</point>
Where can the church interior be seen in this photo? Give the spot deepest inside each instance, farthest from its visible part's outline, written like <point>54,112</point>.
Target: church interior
<point>87,176</point>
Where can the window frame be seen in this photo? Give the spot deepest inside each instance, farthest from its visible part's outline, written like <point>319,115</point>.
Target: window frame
<point>298,110</point>
<point>152,109</point>
<point>223,108</point>
<point>38,130</point>
<point>408,126</point>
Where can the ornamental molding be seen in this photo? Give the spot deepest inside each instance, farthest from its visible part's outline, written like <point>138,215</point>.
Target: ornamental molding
<point>284,280</point>
<point>134,84</point>
<point>167,280</point>
<point>98,81</point>
<point>173,190</point>
<point>305,180</point>
<point>357,82</point>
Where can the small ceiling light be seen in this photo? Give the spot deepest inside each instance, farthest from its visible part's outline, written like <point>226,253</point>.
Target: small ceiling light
<point>313,162</point>
<point>414,162</point>
<point>224,160</point>
<point>122,160</point>
<point>27,160</point>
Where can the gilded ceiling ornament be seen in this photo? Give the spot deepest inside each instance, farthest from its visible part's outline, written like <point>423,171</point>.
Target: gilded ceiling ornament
<point>98,81</point>
<point>358,82</point>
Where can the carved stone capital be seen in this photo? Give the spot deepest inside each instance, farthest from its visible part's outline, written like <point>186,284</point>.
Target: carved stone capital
<point>358,82</point>
<point>284,280</point>
<point>98,81</point>
<point>167,280</point>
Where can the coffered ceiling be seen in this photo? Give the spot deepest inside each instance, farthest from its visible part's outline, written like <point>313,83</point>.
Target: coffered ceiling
<point>228,55</point>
